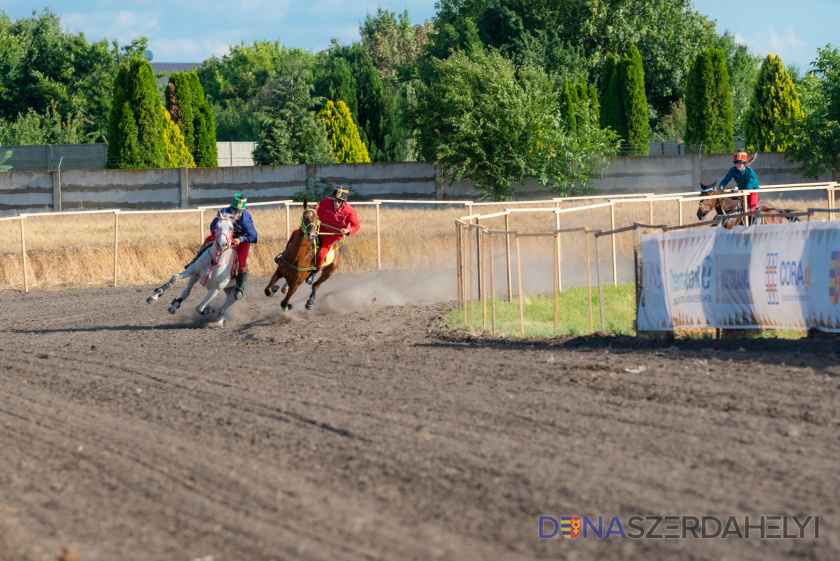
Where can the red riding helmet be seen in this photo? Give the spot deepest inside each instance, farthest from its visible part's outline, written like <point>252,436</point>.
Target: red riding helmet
<point>739,158</point>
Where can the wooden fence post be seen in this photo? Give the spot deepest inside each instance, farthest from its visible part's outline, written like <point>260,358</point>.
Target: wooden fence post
<point>458,265</point>
<point>598,273</point>
<point>519,279</point>
<point>507,256</point>
<point>288,221</point>
<point>612,238</point>
<point>378,241</point>
<point>556,276</point>
<point>116,230</point>
<point>588,276</point>
<point>492,288</point>
<point>23,251</point>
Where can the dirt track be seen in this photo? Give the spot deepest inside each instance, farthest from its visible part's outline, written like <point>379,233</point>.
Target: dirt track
<point>129,434</point>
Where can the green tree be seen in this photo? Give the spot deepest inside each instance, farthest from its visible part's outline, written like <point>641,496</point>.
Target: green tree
<point>486,121</point>
<point>346,144</point>
<point>742,67</point>
<point>44,128</point>
<point>607,101</point>
<point>774,107</point>
<point>708,104</point>
<point>176,149</point>
<point>4,155</point>
<point>392,42</point>
<point>45,69</point>
<point>138,144</point>
<point>816,137</point>
<point>616,112</point>
<point>635,102</point>
<point>188,108</point>
<point>667,33</point>
<point>291,134</point>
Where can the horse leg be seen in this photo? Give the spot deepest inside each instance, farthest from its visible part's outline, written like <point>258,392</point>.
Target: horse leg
<point>325,274</point>
<point>184,295</point>
<point>294,283</point>
<point>203,307</point>
<point>269,289</point>
<point>160,290</point>
<point>229,301</point>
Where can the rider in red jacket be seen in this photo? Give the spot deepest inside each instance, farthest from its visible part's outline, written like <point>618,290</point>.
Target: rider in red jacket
<point>338,219</point>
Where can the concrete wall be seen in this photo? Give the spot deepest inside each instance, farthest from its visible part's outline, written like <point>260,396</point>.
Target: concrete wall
<point>662,174</point>
<point>181,187</point>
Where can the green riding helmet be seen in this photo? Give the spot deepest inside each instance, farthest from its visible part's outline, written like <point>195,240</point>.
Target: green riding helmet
<point>239,201</point>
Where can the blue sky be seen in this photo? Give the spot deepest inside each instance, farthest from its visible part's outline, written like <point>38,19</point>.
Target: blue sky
<point>193,30</point>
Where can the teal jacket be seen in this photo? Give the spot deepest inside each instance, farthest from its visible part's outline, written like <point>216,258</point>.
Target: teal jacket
<point>744,179</point>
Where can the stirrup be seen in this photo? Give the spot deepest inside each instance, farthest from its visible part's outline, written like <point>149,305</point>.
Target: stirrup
<point>311,278</point>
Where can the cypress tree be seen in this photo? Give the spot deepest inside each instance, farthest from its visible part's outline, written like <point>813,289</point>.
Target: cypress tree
<point>774,106</point>
<point>181,106</point>
<point>635,102</point>
<point>205,153</point>
<point>569,105</point>
<point>124,154</point>
<point>607,70</point>
<point>174,146</point>
<point>346,144</point>
<point>594,105</point>
<point>136,89</point>
<point>708,103</point>
<point>615,113</point>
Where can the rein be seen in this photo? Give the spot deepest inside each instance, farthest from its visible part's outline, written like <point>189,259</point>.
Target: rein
<point>217,255</point>
<point>303,229</point>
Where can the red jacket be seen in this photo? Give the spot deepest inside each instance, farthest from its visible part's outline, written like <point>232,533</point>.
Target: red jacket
<point>332,221</point>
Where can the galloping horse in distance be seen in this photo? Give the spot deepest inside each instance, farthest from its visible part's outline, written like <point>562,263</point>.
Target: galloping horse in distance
<point>298,260</point>
<point>769,214</point>
<point>213,269</point>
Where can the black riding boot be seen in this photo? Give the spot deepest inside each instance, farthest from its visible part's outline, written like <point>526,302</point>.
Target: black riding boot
<point>311,278</point>
<point>241,277</point>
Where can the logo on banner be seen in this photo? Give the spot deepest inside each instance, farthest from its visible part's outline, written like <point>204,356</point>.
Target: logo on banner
<point>771,281</point>
<point>834,278</point>
<point>733,277</point>
<point>570,526</point>
<point>706,280</point>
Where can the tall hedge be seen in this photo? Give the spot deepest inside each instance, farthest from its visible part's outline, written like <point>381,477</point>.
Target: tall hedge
<point>189,109</point>
<point>135,131</point>
<point>774,106</point>
<point>635,102</point>
<point>607,70</point>
<point>346,144</point>
<point>176,150</point>
<point>708,103</point>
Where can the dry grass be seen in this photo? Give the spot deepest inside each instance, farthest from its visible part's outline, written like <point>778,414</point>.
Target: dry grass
<point>78,250</point>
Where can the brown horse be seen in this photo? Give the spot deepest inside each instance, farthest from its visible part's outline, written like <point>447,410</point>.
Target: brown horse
<point>734,205</point>
<point>298,260</point>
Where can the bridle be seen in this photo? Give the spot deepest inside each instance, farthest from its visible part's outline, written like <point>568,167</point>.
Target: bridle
<point>219,250</point>
<point>306,225</point>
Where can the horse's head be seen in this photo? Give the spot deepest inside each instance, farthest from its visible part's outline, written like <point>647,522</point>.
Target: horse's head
<point>224,231</point>
<point>706,205</point>
<point>309,222</point>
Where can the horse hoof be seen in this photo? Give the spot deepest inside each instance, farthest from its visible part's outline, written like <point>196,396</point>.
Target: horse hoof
<point>309,305</point>
<point>285,289</point>
<point>152,299</point>
<point>269,292</point>
<point>172,309</point>
<point>287,308</point>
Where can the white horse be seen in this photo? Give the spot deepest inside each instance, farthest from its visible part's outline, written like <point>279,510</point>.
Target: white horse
<point>212,269</point>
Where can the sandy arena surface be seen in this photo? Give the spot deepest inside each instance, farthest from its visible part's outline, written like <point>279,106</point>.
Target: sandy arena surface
<point>362,430</point>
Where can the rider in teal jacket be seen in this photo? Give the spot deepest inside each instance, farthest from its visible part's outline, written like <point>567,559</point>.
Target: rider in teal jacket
<point>745,178</point>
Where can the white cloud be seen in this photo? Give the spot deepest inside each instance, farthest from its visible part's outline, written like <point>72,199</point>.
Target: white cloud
<point>124,26</point>
<point>787,45</point>
<point>166,50</point>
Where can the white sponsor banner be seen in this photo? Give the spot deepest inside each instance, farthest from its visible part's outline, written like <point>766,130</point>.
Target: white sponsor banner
<point>772,277</point>
<point>824,258</point>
